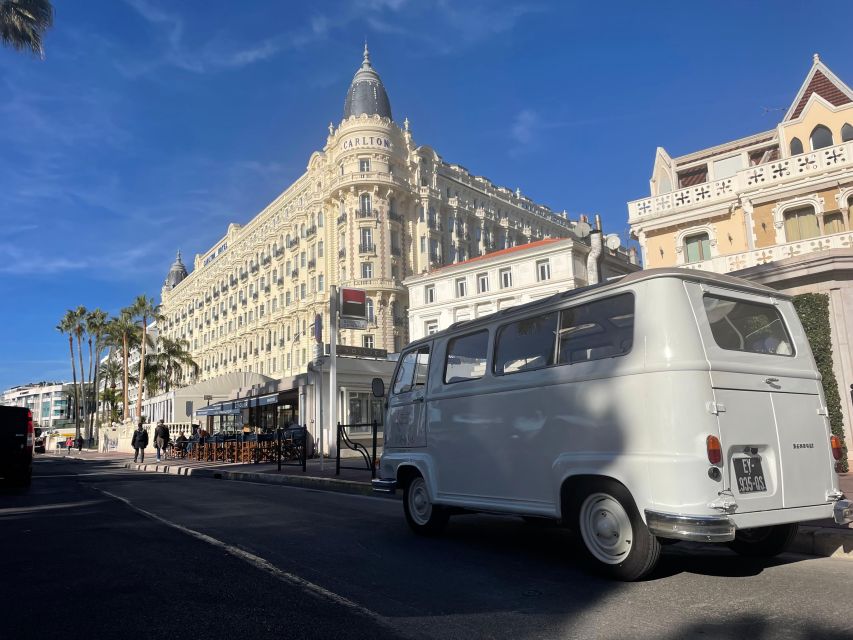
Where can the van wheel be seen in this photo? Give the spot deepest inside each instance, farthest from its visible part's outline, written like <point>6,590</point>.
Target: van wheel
<point>616,541</point>
<point>764,542</point>
<point>424,517</point>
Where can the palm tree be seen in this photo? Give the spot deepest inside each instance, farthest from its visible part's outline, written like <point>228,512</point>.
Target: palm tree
<point>79,316</point>
<point>174,357</point>
<point>22,23</point>
<point>121,329</point>
<point>96,326</point>
<point>145,309</point>
<point>66,325</point>
<point>110,371</point>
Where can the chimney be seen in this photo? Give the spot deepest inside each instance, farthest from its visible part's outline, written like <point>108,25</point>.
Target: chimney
<point>594,256</point>
<point>632,255</point>
<point>598,222</point>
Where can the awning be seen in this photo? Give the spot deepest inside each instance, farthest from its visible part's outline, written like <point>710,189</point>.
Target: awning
<point>234,407</point>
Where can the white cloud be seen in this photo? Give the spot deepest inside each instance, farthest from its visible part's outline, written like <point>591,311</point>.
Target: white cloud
<point>526,125</point>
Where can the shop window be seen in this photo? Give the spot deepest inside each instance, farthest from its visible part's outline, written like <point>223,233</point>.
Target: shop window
<point>801,224</point>
<point>821,137</point>
<point>796,147</point>
<point>697,248</point>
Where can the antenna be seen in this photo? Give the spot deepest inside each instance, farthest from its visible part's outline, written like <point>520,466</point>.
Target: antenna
<point>766,110</point>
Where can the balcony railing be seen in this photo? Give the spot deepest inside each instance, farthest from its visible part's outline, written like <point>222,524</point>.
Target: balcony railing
<point>366,213</point>
<point>312,264</point>
<point>367,248</point>
<point>342,218</point>
<point>761,176</point>
<point>342,253</point>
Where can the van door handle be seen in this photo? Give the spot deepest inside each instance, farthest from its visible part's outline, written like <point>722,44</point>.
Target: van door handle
<point>771,380</point>
<point>418,400</point>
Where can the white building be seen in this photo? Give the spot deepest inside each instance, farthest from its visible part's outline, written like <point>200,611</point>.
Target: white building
<point>50,402</point>
<point>489,283</point>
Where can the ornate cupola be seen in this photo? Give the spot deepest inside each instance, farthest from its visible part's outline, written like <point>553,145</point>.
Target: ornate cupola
<point>176,273</point>
<point>366,93</point>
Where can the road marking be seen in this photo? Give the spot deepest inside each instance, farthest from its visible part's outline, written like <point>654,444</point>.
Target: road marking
<point>262,564</point>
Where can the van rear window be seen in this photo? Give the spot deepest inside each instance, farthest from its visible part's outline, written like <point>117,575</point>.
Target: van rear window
<point>742,325</point>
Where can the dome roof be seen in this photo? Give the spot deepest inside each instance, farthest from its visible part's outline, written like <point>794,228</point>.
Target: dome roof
<point>366,93</point>
<point>177,273</point>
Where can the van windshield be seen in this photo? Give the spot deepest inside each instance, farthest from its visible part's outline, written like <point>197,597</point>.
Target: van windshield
<point>741,325</point>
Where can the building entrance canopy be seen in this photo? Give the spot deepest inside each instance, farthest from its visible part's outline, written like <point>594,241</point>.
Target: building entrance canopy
<point>234,407</point>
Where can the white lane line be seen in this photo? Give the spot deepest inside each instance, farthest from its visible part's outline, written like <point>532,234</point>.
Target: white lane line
<point>262,564</point>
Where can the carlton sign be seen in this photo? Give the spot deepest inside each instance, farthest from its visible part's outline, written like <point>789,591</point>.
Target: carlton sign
<point>367,141</point>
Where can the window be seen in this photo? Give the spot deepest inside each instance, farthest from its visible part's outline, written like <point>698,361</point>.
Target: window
<point>412,371</point>
<point>320,249</point>
<point>364,165</point>
<point>796,147</point>
<point>320,218</point>
<point>466,357</point>
<point>526,344</point>
<point>366,239</point>
<point>321,283</point>
<point>429,294</point>
<point>461,288</point>
<point>302,291</point>
<point>367,341</point>
<point>801,224</point>
<point>740,325</point>
<point>833,222</point>
<point>482,283</point>
<point>365,203</point>
<point>423,244</point>
<point>697,248</point>
<point>366,270</point>
<point>506,278</point>
<point>820,137</point>
<point>543,270</point>
<point>600,329</point>
<point>692,176</point>
<point>846,133</point>
<point>430,327</point>
<point>369,310</point>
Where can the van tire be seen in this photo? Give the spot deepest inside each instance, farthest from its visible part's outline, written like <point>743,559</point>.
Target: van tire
<point>612,537</point>
<point>764,542</point>
<point>424,517</point>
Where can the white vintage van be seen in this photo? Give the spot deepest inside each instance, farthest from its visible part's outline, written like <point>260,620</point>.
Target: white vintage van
<point>666,405</point>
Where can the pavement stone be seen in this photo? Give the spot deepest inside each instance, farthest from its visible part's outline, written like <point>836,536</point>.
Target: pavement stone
<point>819,538</point>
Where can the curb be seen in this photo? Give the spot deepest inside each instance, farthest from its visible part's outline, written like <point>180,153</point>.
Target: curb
<point>304,482</point>
<point>824,541</point>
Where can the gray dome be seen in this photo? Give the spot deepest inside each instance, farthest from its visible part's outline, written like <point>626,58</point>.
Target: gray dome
<point>366,93</point>
<point>177,273</point>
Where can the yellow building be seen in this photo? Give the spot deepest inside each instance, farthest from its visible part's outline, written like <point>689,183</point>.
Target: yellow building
<point>774,207</point>
<point>371,209</point>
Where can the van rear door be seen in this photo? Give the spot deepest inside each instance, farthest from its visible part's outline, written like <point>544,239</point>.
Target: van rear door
<point>767,397</point>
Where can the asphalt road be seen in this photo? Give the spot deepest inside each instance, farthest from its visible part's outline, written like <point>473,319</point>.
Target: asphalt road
<point>92,551</point>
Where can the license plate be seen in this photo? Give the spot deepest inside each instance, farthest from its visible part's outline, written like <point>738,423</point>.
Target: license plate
<point>749,475</point>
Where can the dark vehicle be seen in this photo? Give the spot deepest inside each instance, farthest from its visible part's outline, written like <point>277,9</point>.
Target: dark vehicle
<point>16,445</point>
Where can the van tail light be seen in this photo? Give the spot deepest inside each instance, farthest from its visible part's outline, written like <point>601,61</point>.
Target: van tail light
<point>715,450</point>
<point>29,428</point>
<point>835,442</point>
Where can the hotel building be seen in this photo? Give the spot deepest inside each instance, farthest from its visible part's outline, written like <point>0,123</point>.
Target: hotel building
<point>774,207</point>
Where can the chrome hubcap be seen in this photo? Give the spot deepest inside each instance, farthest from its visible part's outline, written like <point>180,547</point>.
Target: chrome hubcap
<point>420,508</point>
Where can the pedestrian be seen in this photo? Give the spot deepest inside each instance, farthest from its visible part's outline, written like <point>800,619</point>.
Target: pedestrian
<point>181,445</point>
<point>69,444</point>
<point>161,438</point>
<point>79,443</point>
<point>139,442</point>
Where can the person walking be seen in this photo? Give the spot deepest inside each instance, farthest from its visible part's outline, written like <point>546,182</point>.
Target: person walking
<point>69,444</point>
<point>79,443</point>
<point>161,438</point>
<point>139,442</point>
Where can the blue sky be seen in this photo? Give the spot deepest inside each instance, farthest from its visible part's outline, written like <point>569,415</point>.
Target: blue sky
<point>151,125</point>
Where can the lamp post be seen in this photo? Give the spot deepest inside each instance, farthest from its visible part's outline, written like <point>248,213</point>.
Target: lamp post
<point>208,418</point>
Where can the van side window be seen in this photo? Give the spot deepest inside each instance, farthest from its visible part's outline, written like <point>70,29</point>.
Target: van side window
<point>412,372</point>
<point>740,325</point>
<point>526,344</point>
<point>596,330</point>
<point>466,357</point>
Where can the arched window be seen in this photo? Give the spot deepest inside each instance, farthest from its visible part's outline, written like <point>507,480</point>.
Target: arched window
<point>800,224</point>
<point>365,203</point>
<point>796,147</point>
<point>821,137</point>
<point>320,218</point>
<point>697,248</point>
<point>846,133</point>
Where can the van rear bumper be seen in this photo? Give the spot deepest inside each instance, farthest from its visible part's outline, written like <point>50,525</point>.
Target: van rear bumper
<point>692,528</point>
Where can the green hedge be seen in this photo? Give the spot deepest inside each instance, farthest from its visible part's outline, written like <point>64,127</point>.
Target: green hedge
<point>813,309</point>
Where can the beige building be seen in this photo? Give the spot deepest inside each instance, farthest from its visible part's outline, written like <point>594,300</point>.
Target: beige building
<point>372,208</point>
<point>774,207</point>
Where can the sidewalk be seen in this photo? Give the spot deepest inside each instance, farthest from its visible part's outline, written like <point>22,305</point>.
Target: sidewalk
<point>818,537</point>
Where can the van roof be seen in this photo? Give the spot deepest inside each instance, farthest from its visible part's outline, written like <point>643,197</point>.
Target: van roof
<point>694,275</point>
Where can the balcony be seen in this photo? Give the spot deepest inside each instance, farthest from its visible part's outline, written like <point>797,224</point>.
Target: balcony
<point>312,264</point>
<point>367,248</point>
<point>728,190</point>
<point>294,273</point>
<point>342,218</point>
<point>311,231</point>
<point>396,251</point>
<point>342,253</point>
<point>293,243</point>
<point>395,217</point>
<point>366,213</point>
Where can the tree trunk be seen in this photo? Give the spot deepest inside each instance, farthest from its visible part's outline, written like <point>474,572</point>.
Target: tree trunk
<point>74,378</point>
<point>124,362</point>
<point>141,386</point>
<point>82,380</point>
<point>91,419</point>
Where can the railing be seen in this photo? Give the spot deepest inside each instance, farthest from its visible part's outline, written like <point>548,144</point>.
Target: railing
<point>367,248</point>
<point>365,213</point>
<point>369,457</point>
<point>342,253</point>
<point>760,176</point>
<point>342,218</point>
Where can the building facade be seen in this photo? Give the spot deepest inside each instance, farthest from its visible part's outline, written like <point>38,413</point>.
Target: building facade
<point>506,278</point>
<point>372,209</point>
<point>774,207</point>
<point>51,403</point>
